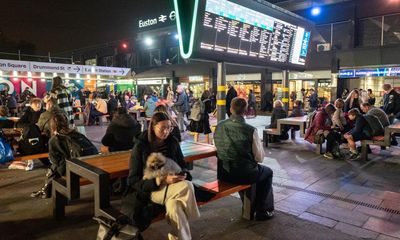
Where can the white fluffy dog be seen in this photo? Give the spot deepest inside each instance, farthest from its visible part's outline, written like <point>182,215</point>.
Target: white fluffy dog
<point>158,165</point>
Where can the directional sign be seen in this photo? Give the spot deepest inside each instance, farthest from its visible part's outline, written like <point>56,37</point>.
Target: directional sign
<point>54,67</point>
<point>11,65</point>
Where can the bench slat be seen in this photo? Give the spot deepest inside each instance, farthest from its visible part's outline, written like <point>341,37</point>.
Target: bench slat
<point>30,157</point>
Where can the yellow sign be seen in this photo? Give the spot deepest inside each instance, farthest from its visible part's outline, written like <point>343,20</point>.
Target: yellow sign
<point>221,88</point>
<point>285,89</point>
<point>285,100</point>
<point>221,102</point>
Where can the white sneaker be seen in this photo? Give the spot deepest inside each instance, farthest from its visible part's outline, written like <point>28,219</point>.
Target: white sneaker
<point>172,237</point>
<point>29,166</point>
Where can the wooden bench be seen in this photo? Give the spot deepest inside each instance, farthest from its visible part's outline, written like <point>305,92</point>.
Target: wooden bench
<point>268,135</point>
<point>30,157</point>
<point>382,141</point>
<point>100,169</point>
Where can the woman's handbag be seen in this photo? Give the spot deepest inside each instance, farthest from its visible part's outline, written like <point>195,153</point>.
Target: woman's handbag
<point>120,229</point>
<point>319,138</point>
<point>6,152</point>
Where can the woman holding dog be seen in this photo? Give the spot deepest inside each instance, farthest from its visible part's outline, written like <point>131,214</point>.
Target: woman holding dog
<point>145,199</point>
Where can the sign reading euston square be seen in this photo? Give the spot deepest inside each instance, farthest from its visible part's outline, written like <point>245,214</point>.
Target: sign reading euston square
<point>25,66</point>
<point>242,31</point>
<point>375,72</point>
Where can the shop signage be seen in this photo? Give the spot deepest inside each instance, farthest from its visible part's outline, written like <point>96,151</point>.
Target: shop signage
<point>196,79</point>
<point>11,65</point>
<point>162,18</point>
<point>151,82</point>
<point>375,72</point>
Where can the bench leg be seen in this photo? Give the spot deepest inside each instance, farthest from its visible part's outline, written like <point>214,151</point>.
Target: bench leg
<point>265,139</point>
<point>59,203</point>
<point>318,149</point>
<point>292,134</point>
<point>364,151</point>
<point>249,202</point>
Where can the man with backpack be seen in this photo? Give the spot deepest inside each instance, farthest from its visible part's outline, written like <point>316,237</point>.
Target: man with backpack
<point>366,127</point>
<point>64,144</point>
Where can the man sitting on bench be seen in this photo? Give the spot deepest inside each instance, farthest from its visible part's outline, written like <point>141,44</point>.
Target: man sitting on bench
<point>98,109</point>
<point>239,151</point>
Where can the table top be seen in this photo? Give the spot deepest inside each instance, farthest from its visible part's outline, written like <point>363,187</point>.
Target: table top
<point>302,119</point>
<point>12,132</point>
<point>14,119</point>
<point>394,127</point>
<point>117,164</point>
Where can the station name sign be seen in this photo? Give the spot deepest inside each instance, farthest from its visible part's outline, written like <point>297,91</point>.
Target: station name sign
<point>163,18</point>
<point>374,72</point>
<point>25,66</point>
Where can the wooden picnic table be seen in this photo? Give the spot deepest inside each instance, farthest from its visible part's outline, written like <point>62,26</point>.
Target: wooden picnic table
<point>293,121</point>
<point>12,132</point>
<point>99,171</point>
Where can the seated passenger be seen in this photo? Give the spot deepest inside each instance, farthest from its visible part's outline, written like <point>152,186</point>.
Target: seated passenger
<point>99,108</point>
<point>4,122</point>
<point>44,119</point>
<point>366,127</point>
<point>173,191</point>
<point>338,118</point>
<point>32,113</point>
<point>121,131</point>
<point>175,132</point>
<point>64,144</point>
<point>239,154</point>
<point>278,113</point>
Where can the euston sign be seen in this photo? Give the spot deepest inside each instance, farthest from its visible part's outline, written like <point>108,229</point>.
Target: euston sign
<point>375,72</point>
<point>143,23</point>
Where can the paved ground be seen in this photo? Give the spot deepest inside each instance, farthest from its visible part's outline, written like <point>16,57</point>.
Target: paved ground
<point>315,198</point>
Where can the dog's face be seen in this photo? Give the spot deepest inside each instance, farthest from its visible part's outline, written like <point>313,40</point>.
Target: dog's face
<point>156,161</point>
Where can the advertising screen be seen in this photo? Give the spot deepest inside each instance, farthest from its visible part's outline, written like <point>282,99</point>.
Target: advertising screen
<point>249,32</point>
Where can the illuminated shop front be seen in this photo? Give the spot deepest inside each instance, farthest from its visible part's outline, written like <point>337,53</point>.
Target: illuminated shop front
<point>196,83</point>
<point>369,78</point>
<point>243,83</point>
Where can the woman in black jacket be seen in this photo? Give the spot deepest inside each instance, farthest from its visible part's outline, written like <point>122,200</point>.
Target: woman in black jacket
<point>121,131</point>
<point>172,191</point>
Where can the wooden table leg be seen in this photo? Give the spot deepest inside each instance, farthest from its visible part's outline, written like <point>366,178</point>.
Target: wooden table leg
<point>364,151</point>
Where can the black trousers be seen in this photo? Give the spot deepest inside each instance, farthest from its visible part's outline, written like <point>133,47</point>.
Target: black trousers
<point>264,191</point>
<point>332,141</point>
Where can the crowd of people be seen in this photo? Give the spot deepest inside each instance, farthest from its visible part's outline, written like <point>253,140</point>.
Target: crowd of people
<point>348,120</point>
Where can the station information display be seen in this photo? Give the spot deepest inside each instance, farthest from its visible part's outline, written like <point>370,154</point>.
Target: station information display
<point>237,30</point>
<point>246,32</point>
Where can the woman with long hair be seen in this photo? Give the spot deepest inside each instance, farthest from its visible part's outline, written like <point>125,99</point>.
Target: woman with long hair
<point>172,191</point>
<point>63,96</point>
<point>352,101</point>
<point>202,125</point>
<point>175,132</point>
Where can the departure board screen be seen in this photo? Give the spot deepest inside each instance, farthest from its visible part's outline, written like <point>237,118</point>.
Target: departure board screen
<point>230,29</point>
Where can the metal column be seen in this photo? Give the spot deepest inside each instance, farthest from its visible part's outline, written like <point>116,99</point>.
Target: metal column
<point>221,91</point>
<point>285,89</point>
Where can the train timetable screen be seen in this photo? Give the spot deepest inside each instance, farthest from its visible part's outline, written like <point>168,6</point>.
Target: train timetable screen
<point>234,30</point>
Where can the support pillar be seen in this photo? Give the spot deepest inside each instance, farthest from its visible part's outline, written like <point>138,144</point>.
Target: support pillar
<point>285,89</point>
<point>221,91</point>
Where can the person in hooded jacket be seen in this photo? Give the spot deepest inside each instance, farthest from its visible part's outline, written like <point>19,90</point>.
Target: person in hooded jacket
<point>121,131</point>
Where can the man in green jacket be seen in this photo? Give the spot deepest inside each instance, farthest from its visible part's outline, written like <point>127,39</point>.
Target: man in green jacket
<point>239,152</point>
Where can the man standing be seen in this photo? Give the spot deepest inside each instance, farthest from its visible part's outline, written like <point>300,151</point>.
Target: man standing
<point>181,106</point>
<point>391,102</point>
<point>313,100</point>
<point>239,153</point>
<point>229,96</point>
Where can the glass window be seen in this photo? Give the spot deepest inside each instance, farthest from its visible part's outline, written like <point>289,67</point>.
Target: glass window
<point>391,30</point>
<point>343,35</point>
<point>370,32</point>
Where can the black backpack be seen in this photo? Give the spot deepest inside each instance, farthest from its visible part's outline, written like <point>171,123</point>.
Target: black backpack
<point>79,145</point>
<point>375,125</point>
<point>32,141</point>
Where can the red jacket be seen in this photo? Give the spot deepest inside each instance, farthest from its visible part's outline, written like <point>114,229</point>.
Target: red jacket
<point>321,122</point>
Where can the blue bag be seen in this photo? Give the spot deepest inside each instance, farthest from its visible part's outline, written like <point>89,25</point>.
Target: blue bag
<point>6,153</point>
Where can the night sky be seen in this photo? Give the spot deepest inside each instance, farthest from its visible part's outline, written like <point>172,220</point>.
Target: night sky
<point>61,25</point>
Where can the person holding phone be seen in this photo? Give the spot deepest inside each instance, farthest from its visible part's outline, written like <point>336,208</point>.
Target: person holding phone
<point>144,199</point>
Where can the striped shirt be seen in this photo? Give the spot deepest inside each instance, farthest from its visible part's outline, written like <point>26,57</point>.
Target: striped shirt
<point>64,101</point>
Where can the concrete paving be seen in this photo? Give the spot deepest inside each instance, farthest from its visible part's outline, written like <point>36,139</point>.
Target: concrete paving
<point>315,198</point>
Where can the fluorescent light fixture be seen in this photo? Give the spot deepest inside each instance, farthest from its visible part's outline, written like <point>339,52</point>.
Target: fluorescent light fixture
<point>15,73</point>
<point>1,73</point>
<point>88,76</point>
<point>43,80</point>
<point>66,75</point>
<point>42,75</point>
<point>54,74</point>
<point>148,41</point>
<point>78,75</point>
<point>93,70</point>
<point>176,36</point>
<point>98,77</point>
<point>29,74</point>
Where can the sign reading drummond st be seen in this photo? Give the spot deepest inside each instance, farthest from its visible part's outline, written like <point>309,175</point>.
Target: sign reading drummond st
<point>25,66</point>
